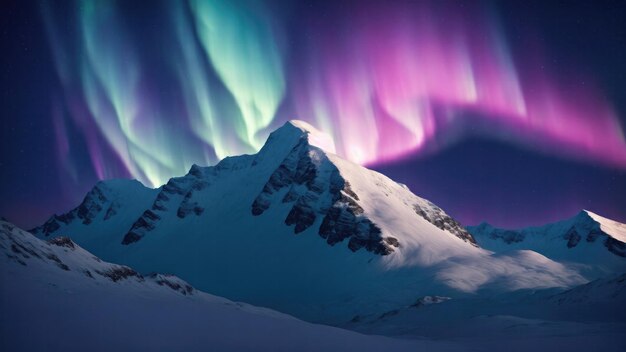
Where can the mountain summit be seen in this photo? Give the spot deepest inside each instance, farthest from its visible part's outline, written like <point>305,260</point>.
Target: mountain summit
<point>296,228</point>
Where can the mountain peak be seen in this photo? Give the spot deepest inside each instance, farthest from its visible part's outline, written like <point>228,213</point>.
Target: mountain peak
<point>613,228</point>
<point>315,137</point>
<point>282,140</point>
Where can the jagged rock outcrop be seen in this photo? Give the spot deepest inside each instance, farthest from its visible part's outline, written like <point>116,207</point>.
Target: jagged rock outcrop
<point>177,194</point>
<point>428,300</point>
<point>62,241</point>
<point>437,217</point>
<point>616,247</point>
<point>173,282</point>
<point>143,225</point>
<point>102,202</point>
<point>88,209</point>
<point>572,237</point>
<point>317,190</point>
<point>118,273</point>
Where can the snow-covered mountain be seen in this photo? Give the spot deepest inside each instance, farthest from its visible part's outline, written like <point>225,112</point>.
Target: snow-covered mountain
<point>296,228</point>
<point>597,243</point>
<point>55,296</point>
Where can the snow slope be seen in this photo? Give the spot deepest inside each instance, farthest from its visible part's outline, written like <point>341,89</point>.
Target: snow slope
<point>596,243</point>
<point>587,317</point>
<point>55,296</point>
<point>298,229</point>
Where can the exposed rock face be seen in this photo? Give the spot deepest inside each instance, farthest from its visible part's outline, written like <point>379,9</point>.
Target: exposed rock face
<point>50,226</point>
<point>98,202</point>
<point>143,225</point>
<point>20,251</point>
<point>63,241</point>
<point>428,300</point>
<point>439,218</point>
<point>572,237</point>
<point>111,211</point>
<point>181,195</point>
<point>87,211</point>
<point>616,247</point>
<point>593,235</point>
<point>177,194</point>
<point>118,273</point>
<point>317,191</point>
<point>54,223</point>
<point>345,220</point>
<point>173,282</point>
<point>91,205</point>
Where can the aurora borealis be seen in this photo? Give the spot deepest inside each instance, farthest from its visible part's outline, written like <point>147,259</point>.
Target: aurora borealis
<point>146,93</point>
<point>229,81</point>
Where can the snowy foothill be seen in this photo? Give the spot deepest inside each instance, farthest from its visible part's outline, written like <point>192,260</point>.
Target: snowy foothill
<point>58,297</point>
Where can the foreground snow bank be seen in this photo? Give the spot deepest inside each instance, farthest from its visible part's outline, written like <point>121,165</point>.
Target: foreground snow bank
<point>55,296</point>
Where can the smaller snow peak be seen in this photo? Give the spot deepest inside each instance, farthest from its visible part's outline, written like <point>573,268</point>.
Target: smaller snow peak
<point>583,216</point>
<point>593,216</point>
<point>580,231</point>
<point>613,228</point>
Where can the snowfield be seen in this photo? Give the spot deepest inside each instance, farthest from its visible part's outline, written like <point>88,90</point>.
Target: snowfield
<point>59,297</point>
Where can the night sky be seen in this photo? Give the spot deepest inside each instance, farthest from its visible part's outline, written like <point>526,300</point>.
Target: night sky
<point>506,112</point>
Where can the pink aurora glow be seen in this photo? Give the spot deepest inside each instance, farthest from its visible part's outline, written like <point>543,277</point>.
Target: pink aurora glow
<point>388,80</point>
<point>384,80</point>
